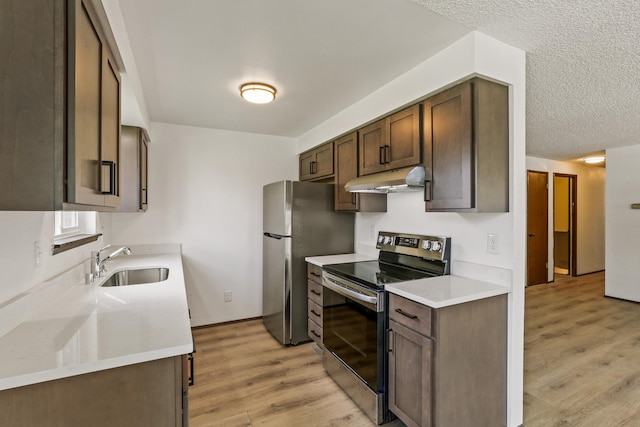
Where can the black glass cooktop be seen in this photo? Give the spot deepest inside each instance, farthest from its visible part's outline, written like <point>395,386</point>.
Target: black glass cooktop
<point>375,273</point>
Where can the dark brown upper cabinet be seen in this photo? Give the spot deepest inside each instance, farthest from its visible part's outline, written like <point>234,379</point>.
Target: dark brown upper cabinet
<point>391,143</point>
<point>60,102</point>
<point>133,169</point>
<point>317,164</point>
<point>466,148</point>
<point>346,168</point>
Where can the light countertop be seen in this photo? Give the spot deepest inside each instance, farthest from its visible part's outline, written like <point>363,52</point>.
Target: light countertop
<point>338,259</point>
<point>436,292</point>
<point>443,291</point>
<point>87,328</point>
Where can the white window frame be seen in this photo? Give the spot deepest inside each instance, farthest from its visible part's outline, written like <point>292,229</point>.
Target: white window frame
<point>81,223</point>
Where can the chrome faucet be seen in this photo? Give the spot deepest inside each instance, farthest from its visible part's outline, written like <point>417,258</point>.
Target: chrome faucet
<point>98,265</point>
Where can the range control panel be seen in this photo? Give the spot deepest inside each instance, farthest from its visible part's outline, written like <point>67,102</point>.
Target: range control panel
<point>430,247</point>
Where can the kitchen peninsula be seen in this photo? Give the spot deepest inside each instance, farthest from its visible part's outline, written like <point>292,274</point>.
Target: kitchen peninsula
<point>87,347</point>
<point>451,330</point>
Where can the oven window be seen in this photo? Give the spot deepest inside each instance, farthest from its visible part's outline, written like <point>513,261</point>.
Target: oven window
<point>350,332</point>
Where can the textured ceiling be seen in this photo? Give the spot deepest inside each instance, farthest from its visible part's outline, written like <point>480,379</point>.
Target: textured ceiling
<point>583,67</point>
<point>583,60</point>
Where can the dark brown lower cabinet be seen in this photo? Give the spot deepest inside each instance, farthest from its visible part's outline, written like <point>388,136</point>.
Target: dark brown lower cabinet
<point>410,360</point>
<point>448,366</point>
<point>314,304</point>
<point>153,393</point>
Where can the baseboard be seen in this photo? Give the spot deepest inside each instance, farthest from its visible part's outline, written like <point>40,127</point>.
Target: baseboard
<point>225,323</point>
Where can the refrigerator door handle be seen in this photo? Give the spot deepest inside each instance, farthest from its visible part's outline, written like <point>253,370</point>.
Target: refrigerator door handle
<point>273,236</point>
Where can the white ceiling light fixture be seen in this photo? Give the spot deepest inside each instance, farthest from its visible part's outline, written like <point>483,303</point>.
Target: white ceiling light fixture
<point>258,93</point>
<point>594,159</point>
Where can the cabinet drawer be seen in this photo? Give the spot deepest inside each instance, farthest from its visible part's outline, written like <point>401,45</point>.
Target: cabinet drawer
<point>315,331</point>
<point>410,314</point>
<point>314,273</point>
<point>314,312</point>
<point>314,291</point>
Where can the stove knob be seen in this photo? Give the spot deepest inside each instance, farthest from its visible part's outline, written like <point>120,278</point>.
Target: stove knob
<point>387,240</point>
<point>426,245</point>
<point>436,246</point>
<point>380,238</point>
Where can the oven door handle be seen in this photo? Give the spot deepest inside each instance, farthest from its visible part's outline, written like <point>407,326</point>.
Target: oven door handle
<point>338,288</point>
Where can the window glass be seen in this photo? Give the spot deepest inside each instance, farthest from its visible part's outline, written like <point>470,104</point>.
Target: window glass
<point>71,223</point>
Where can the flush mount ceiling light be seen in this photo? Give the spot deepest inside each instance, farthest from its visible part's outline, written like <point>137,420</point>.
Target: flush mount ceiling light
<point>594,159</point>
<point>258,93</point>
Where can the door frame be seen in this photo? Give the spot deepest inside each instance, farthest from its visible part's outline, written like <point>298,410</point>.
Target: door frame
<point>573,220</point>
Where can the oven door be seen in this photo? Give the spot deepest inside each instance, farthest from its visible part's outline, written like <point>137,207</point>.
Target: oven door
<point>353,328</point>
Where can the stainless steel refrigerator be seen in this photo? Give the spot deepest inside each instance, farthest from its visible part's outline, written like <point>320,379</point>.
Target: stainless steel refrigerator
<point>299,220</point>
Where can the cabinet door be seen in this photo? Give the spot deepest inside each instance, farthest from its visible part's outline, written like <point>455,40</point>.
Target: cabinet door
<point>323,166</point>
<point>403,148</point>
<point>317,163</point>
<point>410,389</point>
<point>448,149</point>
<point>372,141</point>
<point>346,167</point>
<point>84,133</point>
<point>306,165</point>
<point>110,127</point>
<point>144,189</point>
<point>31,106</point>
<point>133,169</point>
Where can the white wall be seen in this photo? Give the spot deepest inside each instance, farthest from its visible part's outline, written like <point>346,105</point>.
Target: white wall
<point>18,233</point>
<point>590,252</point>
<point>205,192</point>
<point>473,54</point>
<point>623,223</point>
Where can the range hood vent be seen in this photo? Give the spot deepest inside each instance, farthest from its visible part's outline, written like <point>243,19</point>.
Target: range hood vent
<point>400,180</point>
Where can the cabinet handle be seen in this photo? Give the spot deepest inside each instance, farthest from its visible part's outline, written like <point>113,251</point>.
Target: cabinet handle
<point>315,312</point>
<point>353,198</point>
<point>192,377</point>
<point>382,155</point>
<point>387,154</point>
<point>315,333</point>
<point>390,340</point>
<point>315,274</point>
<point>108,174</point>
<point>313,291</point>
<point>532,234</point>
<point>427,191</point>
<point>404,313</point>
<point>310,168</point>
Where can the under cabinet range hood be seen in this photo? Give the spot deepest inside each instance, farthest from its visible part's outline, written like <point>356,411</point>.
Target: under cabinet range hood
<point>400,180</point>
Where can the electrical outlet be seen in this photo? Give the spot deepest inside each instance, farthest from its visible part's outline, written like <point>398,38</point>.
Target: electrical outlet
<point>227,296</point>
<point>37,253</point>
<point>493,244</point>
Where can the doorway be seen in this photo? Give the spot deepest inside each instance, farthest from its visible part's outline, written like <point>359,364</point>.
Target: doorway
<point>564,224</point>
<point>537,227</point>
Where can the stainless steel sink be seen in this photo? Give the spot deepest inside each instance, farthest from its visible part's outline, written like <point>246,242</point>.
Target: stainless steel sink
<point>137,277</point>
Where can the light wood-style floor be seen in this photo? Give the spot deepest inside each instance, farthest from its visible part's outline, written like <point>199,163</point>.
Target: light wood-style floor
<point>582,355</point>
<point>582,368</point>
<point>244,377</point>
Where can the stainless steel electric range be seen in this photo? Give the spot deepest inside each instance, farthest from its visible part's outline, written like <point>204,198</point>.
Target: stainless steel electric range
<point>355,313</point>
